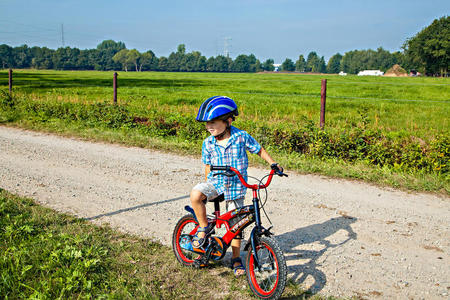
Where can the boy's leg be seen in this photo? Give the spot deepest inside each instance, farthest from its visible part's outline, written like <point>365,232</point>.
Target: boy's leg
<point>200,193</point>
<point>236,243</point>
<point>236,252</point>
<point>199,207</point>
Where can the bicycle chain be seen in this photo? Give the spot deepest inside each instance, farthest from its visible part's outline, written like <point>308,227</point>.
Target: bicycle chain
<point>203,261</point>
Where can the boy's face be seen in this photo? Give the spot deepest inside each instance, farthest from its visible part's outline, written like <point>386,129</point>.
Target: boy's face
<point>216,127</point>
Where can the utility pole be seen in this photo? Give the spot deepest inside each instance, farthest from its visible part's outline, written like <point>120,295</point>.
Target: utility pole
<point>226,46</point>
<point>62,34</point>
<point>323,98</point>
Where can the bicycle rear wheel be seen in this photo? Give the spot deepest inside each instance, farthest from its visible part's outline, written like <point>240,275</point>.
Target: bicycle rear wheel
<point>185,227</point>
<point>269,280</point>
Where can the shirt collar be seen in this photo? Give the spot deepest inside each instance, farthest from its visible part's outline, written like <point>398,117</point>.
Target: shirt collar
<point>233,133</point>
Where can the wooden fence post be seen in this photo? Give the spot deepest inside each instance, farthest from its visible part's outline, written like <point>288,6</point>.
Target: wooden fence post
<point>10,81</point>
<point>115,87</point>
<point>323,98</point>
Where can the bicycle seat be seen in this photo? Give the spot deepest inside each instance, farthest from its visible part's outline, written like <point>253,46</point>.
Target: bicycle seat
<point>219,198</point>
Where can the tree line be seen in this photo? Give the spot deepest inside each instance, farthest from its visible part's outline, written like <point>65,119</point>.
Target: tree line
<point>427,52</point>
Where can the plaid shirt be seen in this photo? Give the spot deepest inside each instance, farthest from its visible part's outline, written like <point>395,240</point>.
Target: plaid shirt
<point>234,155</point>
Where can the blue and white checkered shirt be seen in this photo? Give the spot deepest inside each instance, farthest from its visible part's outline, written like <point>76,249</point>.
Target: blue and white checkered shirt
<point>234,155</point>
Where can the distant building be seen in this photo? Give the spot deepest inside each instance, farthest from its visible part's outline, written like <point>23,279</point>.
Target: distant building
<point>370,73</point>
<point>277,67</point>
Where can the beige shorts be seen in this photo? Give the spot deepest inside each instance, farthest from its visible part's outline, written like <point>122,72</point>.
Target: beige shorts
<point>210,192</point>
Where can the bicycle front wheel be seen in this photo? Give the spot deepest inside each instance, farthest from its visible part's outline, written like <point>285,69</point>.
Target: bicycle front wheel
<point>185,226</point>
<point>269,279</point>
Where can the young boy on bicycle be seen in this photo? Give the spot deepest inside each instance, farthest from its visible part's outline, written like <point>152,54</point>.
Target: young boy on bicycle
<point>226,146</point>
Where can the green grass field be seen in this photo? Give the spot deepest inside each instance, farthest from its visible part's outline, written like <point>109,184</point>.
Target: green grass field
<point>391,131</point>
<point>415,106</point>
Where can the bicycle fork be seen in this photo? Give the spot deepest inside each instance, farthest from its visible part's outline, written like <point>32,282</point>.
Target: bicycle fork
<point>257,231</point>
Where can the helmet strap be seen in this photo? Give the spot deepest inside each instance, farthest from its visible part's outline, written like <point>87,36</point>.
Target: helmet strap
<point>221,135</point>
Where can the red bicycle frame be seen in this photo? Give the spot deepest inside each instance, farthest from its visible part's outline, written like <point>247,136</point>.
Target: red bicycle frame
<point>248,213</point>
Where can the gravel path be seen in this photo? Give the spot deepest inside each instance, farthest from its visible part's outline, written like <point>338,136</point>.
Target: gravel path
<point>340,237</point>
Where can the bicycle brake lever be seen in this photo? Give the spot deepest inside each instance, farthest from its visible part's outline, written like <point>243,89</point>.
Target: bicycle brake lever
<point>281,174</point>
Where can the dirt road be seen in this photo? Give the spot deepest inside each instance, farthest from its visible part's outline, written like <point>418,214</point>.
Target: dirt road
<point>340,237</point>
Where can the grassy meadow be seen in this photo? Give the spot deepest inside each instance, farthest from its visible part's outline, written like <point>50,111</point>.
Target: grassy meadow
<point>391,131</point>
<point>417,106</point>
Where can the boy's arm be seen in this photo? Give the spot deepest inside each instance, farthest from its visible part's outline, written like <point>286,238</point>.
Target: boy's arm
<point>264,155</point>
<point>207,170</point>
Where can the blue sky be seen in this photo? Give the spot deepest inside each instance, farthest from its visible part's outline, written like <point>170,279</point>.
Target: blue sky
<point>269,29</point>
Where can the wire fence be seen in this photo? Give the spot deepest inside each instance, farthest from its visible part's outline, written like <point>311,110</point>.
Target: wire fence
<point>331,83</point>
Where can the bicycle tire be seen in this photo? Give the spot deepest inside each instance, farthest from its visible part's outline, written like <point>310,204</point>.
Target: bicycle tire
<point>270,281</point>
<point>185,225</point>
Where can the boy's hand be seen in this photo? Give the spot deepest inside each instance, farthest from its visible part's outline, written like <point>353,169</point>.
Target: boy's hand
<point>277,168</point>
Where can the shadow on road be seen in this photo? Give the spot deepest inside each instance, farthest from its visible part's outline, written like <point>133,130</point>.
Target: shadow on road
<point>134,207</point>
<point>319,235</point>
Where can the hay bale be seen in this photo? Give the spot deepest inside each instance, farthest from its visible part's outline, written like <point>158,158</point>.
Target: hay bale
<point>396,71</point>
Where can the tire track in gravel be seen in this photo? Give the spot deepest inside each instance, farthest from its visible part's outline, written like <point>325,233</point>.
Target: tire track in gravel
<point>340,237</point>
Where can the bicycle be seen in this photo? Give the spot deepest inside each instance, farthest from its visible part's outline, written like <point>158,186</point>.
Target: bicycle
<point>265,263</point>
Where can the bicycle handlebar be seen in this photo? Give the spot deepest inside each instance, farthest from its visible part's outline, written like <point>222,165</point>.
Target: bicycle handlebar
<point>241,178</point>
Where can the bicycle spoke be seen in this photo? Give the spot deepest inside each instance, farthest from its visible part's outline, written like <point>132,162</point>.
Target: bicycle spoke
<point>268,273</point>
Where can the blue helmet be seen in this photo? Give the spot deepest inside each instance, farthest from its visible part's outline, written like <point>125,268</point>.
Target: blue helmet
<point>216,107</point>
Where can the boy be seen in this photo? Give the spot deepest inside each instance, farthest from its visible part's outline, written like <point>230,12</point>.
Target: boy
<point>226,146</point>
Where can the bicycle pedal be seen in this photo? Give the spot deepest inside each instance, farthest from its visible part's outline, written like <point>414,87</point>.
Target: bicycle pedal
<point>200,263</point>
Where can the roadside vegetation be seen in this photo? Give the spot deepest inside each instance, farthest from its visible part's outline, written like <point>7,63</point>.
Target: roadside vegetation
<point>47,255</point>
<point>392,131</point>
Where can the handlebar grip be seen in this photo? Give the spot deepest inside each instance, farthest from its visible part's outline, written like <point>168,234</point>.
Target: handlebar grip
<point>226,173</point>
<point>219,168</point>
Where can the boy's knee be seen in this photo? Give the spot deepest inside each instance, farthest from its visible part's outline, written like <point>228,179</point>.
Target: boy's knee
<point>197,196</point>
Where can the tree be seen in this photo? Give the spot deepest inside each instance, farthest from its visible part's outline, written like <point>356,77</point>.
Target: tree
<point>382,60</point>
<point>211,64</point>
<point>430,48</point>
<point>254,63</point>
<point>85,60</point>
<point>42,58</point>
<point>22,56</point>
<point>401,59</point>
<point>201,63</point>
<point>121,57</point>
<point>288,65</point>
<point>6,56</point>
<point>66,58</point>
<point>240,64</point>
<point>218,64</point>
<point>163,63</point>
<point>334,64</point>
<point>268,65</point>
<point>105,52</point>
<point>181,49</point>
<point>357,60</point>
<point>321,67</point>
<point>313,62</point>
<point>148,61</point>
<point>349,62</point>
<point>300,64</point>
<point>133,57</point>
